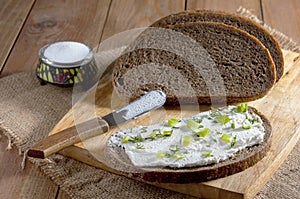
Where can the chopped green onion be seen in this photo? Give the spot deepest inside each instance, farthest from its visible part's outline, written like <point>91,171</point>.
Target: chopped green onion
<point>214,112</point>
<point>187,140</point>
<point>233,125</point>
<point>253,120</point>
<point>137,138</point>
<point>198,120</point>
<point>173,122</point>
<point>246,124</point>
<point>125,139</point>
<point>156,131</point>
<point>154,134</point>
<point>144,129</point>
<point>161,155</point>
<point>139,146</point>
<point>167,133</point>
<point>208,154</point>
<point>174,152</point>
<point>178,155</point>
<point>204,132</point>
<point>233,142</point>
<point>192,124</point>
<point>232,111</point>
<point>242,107</point>
<point>226,137</point>
<point>174,148</point>
<point>223,119</point>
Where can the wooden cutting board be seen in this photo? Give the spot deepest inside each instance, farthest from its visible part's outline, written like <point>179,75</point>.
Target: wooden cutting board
<point>280,106</point>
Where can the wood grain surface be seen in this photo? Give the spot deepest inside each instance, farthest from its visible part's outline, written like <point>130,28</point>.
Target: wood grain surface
<point>284,119</point>
<point>18,183</point>
<point>125,15</point>
<point>13,15</point>
<point>285,17</point>
<point>228,5</point>
<point>51,21</point>
<point>27,25</point>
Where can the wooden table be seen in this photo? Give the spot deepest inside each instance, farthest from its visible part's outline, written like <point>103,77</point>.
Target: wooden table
<point>27,25</point>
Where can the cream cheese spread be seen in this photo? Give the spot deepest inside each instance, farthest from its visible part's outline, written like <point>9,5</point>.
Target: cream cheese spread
<point>208,137</point>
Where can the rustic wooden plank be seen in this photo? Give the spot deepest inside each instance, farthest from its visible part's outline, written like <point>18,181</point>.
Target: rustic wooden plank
<point>18,183</point>
<point>50,21</point>
<point>125,15</point>
<point>284,118</point>
<point>283,16</point>
<point>13,14</point>
<point>228,5</point>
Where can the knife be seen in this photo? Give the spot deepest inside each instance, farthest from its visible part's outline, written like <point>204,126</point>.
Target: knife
<point>96,126</point>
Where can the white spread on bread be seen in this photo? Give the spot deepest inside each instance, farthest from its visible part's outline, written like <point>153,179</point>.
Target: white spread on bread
<point>208,137</point>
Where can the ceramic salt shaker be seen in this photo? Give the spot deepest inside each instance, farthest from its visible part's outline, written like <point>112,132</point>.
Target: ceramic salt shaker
<point>66,63</point>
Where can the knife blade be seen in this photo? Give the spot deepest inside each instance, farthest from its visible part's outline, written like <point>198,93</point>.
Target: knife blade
<point>97,126</point>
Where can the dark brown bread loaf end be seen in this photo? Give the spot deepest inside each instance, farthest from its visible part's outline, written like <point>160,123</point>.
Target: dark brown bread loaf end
<point>237,21</point>
<point>243,160</point>
<point>243,62</point>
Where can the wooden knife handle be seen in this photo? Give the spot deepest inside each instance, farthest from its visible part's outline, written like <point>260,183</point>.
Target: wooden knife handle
<point>68,137</point>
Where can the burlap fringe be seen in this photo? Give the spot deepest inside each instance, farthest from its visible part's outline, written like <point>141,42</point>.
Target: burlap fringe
<point>12,141</point>
<point>23,163</point>
<point>9,147</point>
<point>284,41</point>
<point>8,134</point>
<point>46,166</point>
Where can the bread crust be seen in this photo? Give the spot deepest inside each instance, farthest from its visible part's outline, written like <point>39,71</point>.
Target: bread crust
<point>173,100</point>
<point>273,46</point>
<point>230,100</point>
<point>244,159</point>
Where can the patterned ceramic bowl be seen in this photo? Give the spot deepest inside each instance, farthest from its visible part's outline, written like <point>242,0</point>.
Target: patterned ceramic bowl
<point>66,63</point>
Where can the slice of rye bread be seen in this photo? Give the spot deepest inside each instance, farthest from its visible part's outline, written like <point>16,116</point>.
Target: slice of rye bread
<point>118,159</point>
<point>235,20</point>
<point>244,64</point>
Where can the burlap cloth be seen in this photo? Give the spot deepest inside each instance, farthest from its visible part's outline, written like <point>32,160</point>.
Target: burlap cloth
<point>28,111</point>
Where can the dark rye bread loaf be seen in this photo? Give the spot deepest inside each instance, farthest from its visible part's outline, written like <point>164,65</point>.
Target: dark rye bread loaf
<point>242,62</point>
<point>240,22</point>
<point>118,159</point>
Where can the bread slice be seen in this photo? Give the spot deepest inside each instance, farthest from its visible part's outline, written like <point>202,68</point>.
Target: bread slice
<point>240,22</point>
<point>242,62</point>
<point>118,159</point>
